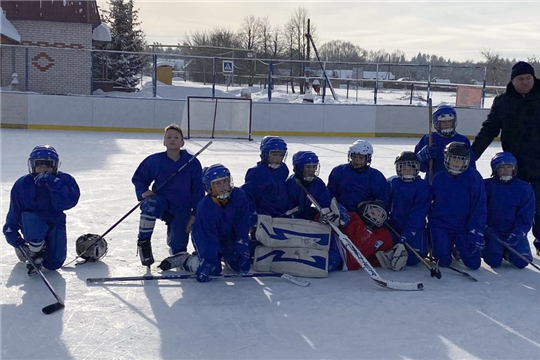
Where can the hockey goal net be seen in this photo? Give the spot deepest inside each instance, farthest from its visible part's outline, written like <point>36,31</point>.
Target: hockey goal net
<point>217,117</point>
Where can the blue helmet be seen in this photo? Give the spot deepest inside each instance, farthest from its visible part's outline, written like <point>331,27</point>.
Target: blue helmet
<point>216,172</point>
<point>302,158</point>
<point>272,143</point>
<point>503,158</point>
<point>444,113</point>
<point>43,155</point>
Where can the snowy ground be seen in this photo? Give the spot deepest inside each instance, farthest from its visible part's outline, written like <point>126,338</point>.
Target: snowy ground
<point>344,316</point>
<point>181,89</point>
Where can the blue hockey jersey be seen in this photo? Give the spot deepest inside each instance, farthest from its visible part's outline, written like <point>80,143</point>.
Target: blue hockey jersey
<point>297,197</point>
<point>183,191</point>
<point>409,205</point>
<point>351,187</point>
<point>49,202</point>
<point>510,206</point>
<point>458,202</point>
<point>265,189</point>
<point>218,228</point>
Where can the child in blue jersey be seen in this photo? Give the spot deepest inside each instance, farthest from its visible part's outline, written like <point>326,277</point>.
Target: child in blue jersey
<point>357,181</point>
<point>445,123</point>
<point>264,183</point>
<point>510,212</point>
<point>175,202</point>
<point>306,170</point>
<point>409,204</point>
<point>457,217</point>
<point>220,231</point>
<point>36,219</point>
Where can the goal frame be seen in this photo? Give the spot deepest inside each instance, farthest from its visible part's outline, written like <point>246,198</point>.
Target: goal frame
<point>215,133</point>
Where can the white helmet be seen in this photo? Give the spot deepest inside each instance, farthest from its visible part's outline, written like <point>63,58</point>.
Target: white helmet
<point>360,147</point>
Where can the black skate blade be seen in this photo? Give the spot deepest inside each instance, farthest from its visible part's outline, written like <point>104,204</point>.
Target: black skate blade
<point>49,309</point>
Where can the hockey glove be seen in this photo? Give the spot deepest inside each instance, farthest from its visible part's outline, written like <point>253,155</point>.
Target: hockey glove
<point>328,216</point>
<point>344,218</point>
<point>203,271</point>
<point>427,153</point>
<point>14,238</point>
<point>476,242</point>
<point>514,238</point>
<point>48,179</point>
<point>242,256</point>
<point>395,258</point>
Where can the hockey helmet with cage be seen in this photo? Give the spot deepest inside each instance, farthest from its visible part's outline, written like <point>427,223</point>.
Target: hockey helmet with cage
<point>445,113</point>
<point>457,157</point>
<point>407,160</point>
<point>211,175</point>
<point>500,159</point>
<point>303,158</point>
<point>373,213</point>
<point>91,247</point>
<point>273,143</point>
<point>43,155</point>
<point>360,147</point>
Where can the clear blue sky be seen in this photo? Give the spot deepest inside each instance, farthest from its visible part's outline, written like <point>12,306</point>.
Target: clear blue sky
<point>458,30</point>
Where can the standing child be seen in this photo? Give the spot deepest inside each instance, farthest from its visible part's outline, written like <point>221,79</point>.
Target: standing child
<point>510,212</point>
<point>445,123</point>
<point>36,218</point>
<point>457,217</point>
<point>176,199</point>
<point>409,205</point>
<point>220,231</point>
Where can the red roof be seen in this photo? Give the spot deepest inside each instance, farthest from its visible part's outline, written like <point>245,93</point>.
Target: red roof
<point>80,11</point>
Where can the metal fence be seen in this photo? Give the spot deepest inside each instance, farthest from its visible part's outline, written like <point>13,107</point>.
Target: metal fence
<point>91,72</point>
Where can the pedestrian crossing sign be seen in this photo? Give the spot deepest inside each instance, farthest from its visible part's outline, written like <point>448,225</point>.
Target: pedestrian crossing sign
<point>227,66</point>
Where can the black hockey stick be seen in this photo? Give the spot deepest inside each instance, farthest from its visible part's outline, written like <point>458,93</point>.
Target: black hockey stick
<point>511,249</point>
<point>59,304</point>
<point>353,250</point>
<point>450,267</point>
<point>295,280</point>
<point>434,271</point>
<point>99,237</point>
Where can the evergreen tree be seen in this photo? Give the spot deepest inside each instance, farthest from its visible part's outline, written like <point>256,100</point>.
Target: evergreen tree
<point>124,68</point>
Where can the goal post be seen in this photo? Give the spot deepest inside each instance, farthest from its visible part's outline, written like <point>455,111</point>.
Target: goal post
<point>217,117</point>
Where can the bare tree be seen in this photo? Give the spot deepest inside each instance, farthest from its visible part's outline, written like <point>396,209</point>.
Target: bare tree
<point>496,73</point>
<point>295,32</point>
<point>250,37</point>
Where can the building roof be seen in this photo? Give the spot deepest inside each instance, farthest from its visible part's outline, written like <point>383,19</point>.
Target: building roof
<point>8,31</point>
<point>80,11</point>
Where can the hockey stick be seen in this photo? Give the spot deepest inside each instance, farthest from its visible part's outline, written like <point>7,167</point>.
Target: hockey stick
<point>59,304</point>
<point>430,137</point>
<point>435,272</point>
<point>514,251</point>
<point>450,267</point>
<point>139,203</point>
<point>364,263</point>
<point>295,280</point>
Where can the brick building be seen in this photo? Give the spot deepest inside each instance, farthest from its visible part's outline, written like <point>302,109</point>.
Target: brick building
<point>53,54</point>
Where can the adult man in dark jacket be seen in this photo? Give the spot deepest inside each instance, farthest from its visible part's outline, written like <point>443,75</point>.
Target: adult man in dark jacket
<point>516,115</point>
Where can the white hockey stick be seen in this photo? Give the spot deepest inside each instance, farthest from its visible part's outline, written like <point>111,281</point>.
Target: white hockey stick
<point>364,263</point>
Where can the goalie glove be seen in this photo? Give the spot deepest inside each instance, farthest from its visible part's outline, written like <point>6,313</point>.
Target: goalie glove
<point>395,258</point>
<point>336,214</point>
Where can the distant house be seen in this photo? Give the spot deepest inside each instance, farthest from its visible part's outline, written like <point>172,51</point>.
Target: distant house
<point>54,40</point>
<point>441,81</point>
<point>381,75</point>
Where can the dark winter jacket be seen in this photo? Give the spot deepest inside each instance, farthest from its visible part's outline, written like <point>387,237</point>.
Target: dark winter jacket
<point>517,118</point>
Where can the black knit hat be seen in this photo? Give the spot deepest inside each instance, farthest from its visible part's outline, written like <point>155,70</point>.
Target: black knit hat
<point>521,68</point>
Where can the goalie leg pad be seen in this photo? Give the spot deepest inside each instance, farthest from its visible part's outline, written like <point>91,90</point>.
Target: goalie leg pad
<point>395,258</point>
<point>294,233</point>
<point>294,261</point>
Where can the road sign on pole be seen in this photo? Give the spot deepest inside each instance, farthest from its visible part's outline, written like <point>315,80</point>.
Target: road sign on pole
<point>228,66</point>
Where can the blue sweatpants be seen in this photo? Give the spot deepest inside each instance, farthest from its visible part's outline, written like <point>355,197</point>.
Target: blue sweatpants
<point>51,232</point>
<point>444,241</point>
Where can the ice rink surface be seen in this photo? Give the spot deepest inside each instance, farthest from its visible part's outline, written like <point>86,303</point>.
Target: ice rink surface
<point>343,316</point>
